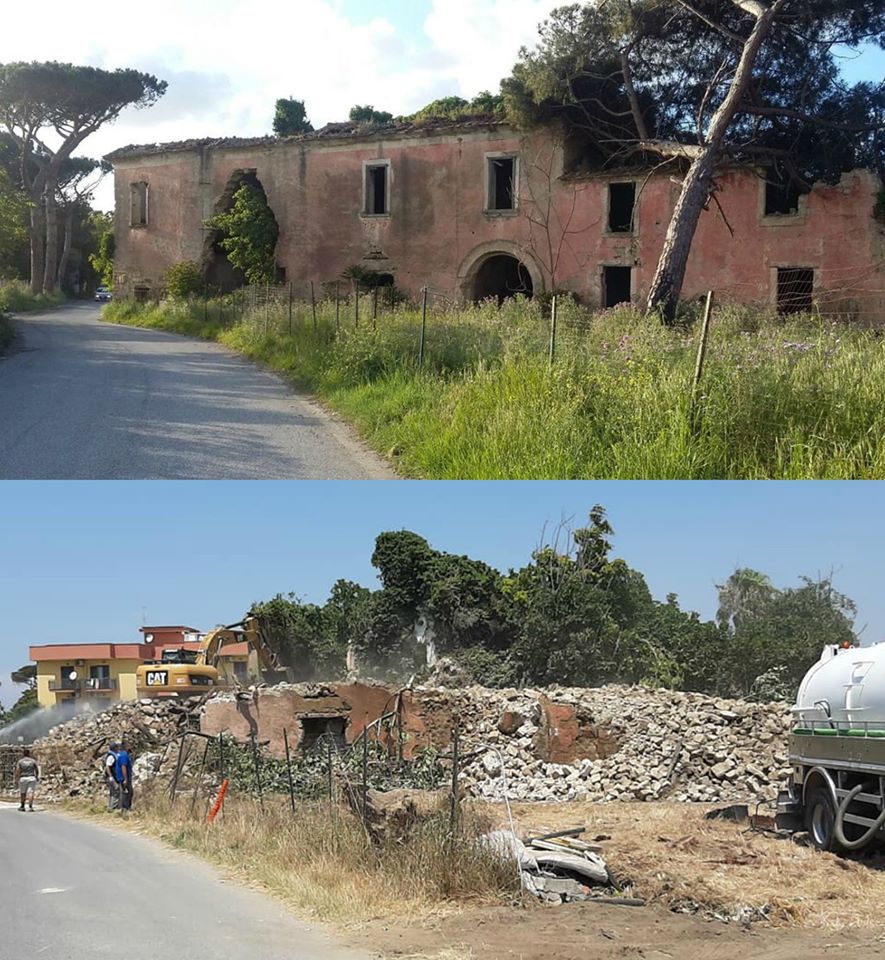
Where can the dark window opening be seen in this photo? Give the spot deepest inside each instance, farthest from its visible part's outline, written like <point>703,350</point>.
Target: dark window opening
<point>621,202</point>
<point>241,670</point>
<point>138,204</point>
<point>501,277</point>
<point>315,730</point>
<point>782,194</point>
<point>502,187</point>
<point>142,294</point>
<point>376,190</point>
<point>616,284</point>
<point>279,275</point>
<point>795,290</point>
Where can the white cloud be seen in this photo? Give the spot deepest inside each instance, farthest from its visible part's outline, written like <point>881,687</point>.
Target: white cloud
<point>228,60</point>
<point>481,38</point>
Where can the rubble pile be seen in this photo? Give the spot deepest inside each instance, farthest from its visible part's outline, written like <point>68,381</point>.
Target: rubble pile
<point>556,744</point>
<point>621,743</point>
<point>71,754</point>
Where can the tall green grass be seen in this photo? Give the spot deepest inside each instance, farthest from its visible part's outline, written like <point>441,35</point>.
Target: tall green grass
<point>803,399</point>
<point>16,296</point>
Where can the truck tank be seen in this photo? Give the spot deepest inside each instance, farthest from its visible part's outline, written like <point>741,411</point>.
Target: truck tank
<point>844,689</point>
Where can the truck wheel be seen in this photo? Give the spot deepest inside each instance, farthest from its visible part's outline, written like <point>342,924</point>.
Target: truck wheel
<point>820,818</point>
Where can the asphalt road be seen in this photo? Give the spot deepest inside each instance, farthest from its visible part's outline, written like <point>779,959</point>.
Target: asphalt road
<point>71,890</point>
<point>81,399</point>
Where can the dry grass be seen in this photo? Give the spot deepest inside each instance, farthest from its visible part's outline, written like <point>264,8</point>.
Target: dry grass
<point>326,868</point>
<point>673,855</point>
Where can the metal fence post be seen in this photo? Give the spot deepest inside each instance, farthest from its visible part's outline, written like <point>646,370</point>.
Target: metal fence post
<point>266,307</point>
<point>257,771</point>
<point>365,789</point>
<point>337,305</point>
<point>456,800</point>
<point>199,779</point>
<point>290,308</point>
<point>289,769</point>
<point>693,416</point>
<point>423,328</point>
<point>374,307</point>
<point>356,303</point>
<point>313,305</point>
<point>553,330</point>
<point>329,774</point>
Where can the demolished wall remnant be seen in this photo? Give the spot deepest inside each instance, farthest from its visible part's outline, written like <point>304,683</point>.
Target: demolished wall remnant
<point>557,744</point>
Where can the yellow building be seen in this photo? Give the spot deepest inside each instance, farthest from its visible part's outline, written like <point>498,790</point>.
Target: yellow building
<point>105,672</point>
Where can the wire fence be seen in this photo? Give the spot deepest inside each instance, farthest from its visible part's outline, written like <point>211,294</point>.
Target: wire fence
<point>9,758</point>
<point>549,325</point>
<point>202,772</point>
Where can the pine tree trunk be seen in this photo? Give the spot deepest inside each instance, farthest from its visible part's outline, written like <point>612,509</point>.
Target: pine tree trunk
<point>50,267</point>
<point>663,296</point>
<point>37,232</point>
<point>66,248</point>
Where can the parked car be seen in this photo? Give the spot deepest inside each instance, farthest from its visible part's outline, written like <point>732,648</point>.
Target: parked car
<point>102,294</point>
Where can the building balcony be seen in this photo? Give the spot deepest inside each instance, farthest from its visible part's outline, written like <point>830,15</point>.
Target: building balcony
<point>98,685</point>
<point>91,685</point>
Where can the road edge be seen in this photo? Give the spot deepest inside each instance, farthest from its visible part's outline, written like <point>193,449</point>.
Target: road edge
<point>345,431</point>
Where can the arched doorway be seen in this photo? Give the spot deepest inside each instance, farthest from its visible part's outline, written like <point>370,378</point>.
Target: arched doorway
<point>501,276</point>
<point>219,272</point>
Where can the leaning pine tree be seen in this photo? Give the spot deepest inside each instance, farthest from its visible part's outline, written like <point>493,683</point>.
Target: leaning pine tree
<point>688,84</point>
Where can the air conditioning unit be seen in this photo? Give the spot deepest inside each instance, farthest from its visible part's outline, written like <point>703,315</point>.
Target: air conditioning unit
<point>80,663</point>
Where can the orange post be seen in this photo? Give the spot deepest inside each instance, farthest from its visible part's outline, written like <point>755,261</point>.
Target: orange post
<point>219,800</point>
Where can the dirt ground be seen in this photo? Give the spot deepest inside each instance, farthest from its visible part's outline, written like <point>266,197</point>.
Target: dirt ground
<point>582,931</point>
<point>783,899</point>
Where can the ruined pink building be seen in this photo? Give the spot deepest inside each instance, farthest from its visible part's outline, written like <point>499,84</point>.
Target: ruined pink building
<point>474,209</point>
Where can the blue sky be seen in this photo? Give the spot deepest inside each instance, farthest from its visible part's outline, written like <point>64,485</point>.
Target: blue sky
<point>227,61</point>
<point>82,562</point>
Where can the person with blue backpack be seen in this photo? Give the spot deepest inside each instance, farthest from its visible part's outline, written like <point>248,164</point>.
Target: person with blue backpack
<point>123,772</point>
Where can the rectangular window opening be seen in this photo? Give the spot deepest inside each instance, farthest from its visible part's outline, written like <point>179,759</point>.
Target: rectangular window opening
<point>318,730</point>
<point>377,190</point>
<point>621,203</point>
<point>782,194</point>
<point>795,290</point>
<point>502,183</point>
<point>138,204</point>
<point>616,285</point>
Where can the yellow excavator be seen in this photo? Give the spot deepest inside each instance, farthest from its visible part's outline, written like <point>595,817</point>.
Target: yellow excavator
<point>182,673</point>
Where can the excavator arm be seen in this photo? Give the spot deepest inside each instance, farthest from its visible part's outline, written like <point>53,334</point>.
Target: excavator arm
<point>268,658</point>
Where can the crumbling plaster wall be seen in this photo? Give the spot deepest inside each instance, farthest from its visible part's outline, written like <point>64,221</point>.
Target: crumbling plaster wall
<point>564,735</point>
<point>437,231</point>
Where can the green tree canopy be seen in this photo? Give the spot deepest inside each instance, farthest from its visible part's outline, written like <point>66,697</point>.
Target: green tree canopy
<point>290,118</point>
<point>369,115</point>
<point>14,206</point>
<point>67,103</point>
<point>692,82</point>
<point>574,615</point>
<point>249,233</point>
<point>453,108</point>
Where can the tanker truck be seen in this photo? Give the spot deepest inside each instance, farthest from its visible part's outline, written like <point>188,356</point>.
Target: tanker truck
<point>837,751</point>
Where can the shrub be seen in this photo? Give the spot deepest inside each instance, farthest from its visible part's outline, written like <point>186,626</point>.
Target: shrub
<point>184,280</point>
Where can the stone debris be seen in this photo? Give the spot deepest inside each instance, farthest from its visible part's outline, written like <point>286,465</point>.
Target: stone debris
<point>621,743</point>
<point>71,754</point>
<point>552,745</point>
